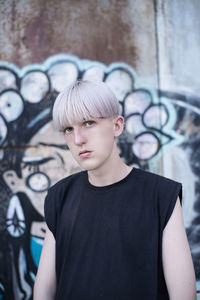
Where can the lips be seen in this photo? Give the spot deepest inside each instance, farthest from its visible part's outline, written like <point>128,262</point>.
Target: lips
<point>84,153</point>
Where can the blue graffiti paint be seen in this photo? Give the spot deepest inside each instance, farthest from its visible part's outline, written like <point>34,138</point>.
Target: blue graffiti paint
<point>36,249</point>
<point>2,291</point>
<point>83,65</point>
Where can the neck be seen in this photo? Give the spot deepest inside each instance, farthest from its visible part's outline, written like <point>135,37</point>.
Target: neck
<point>108,174</point>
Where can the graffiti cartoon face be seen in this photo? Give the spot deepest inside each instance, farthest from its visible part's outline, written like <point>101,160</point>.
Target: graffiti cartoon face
<point>44,162</point>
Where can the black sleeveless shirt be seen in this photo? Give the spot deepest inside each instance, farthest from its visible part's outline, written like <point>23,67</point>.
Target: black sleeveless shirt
<point>109,239</point>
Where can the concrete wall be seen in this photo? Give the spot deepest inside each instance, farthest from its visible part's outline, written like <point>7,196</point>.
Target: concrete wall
<point>147,52</point>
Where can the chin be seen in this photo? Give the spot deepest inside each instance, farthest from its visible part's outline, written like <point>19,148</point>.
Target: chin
<point>90,166</point>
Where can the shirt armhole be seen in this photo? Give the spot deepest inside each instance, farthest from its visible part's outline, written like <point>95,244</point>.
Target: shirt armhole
<point>50,212</point>
<point>174,194</point>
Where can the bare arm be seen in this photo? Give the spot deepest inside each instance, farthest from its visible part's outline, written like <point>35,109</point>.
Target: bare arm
<point>45,283</point>
<point>177,261</point>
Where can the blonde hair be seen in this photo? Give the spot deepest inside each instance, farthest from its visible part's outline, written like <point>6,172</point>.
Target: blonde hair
<point>83,100</point>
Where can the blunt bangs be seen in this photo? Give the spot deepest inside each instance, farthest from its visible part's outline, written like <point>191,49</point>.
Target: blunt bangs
<point>84,100</point>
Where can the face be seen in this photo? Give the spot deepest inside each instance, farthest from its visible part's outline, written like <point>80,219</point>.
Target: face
<point>41,167</point>
<point>93,142</point>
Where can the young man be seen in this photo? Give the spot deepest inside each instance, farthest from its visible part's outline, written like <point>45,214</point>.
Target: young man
<point>114,232</point>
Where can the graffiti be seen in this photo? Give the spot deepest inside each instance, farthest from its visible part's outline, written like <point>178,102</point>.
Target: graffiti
<point>187,162</point>
<point>33,157</point>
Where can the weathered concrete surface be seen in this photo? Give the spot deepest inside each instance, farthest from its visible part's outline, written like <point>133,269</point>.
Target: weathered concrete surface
<point>106,31</point>
<point>178,27</point>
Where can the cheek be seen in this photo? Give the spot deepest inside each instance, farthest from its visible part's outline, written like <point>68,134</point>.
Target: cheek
<point>104,142</point>
<point>66,139</point>
<point>72,151</point>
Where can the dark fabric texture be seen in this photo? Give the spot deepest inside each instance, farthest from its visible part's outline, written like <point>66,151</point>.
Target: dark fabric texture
<point>109,239</point>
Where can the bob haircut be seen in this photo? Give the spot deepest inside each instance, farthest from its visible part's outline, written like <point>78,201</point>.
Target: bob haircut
<point>84,100</point>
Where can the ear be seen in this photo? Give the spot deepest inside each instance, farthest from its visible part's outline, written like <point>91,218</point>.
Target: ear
<point>12,180</point>
<point>118,125</point>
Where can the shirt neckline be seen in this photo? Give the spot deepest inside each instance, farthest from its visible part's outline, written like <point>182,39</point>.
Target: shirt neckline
<point>106,187</point>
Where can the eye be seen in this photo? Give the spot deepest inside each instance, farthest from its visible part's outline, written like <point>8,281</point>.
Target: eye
<point>68,130</point>
<point>89,123</point>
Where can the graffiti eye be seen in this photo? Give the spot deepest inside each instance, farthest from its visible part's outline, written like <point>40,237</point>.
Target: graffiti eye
<point>38,182</point>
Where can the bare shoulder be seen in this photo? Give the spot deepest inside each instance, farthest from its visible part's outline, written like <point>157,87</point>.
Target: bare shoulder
<point>45,283</point>
<point>177,261</point>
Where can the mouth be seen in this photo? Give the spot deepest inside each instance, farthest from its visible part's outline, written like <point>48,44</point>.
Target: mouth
<point>84,154</point>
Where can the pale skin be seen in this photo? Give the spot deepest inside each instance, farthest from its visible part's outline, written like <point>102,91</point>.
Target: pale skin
<point>93,145</point>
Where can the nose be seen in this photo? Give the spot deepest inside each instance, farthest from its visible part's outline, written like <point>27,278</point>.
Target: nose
<point>79,138</point>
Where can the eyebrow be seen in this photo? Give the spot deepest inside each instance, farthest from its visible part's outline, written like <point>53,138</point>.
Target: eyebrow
<point>35,160</point>
<point>60,146</point>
